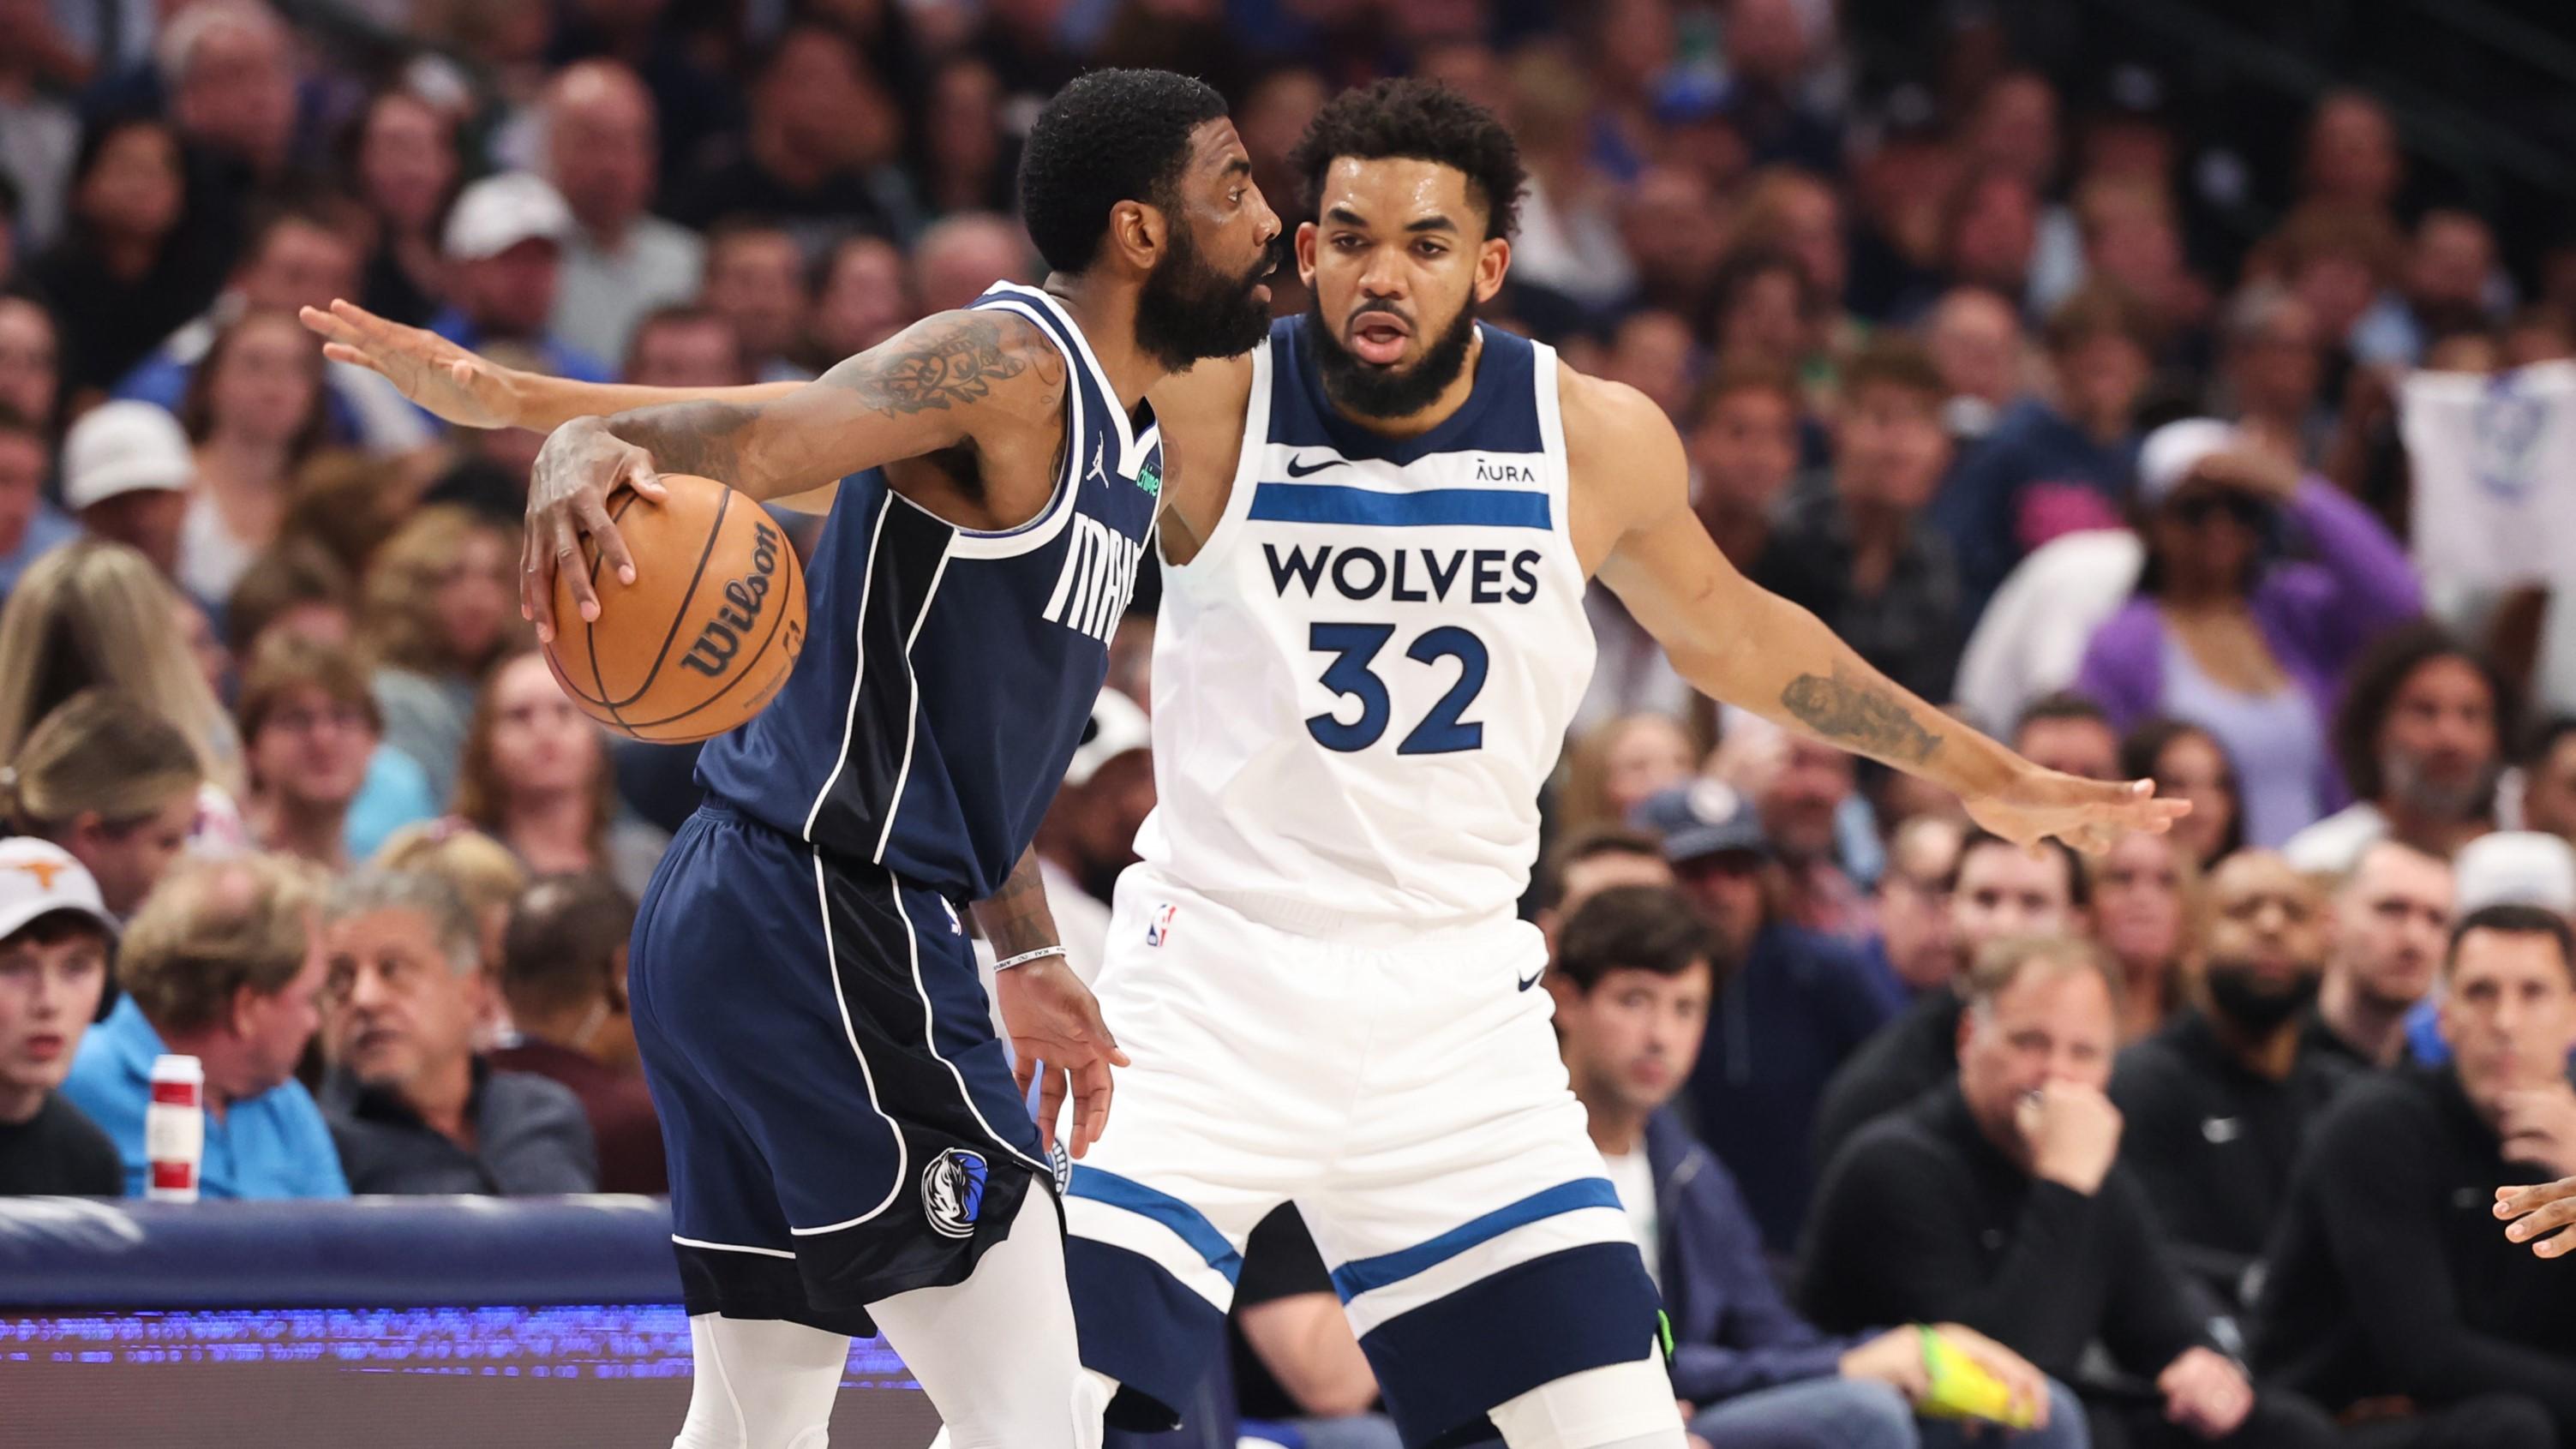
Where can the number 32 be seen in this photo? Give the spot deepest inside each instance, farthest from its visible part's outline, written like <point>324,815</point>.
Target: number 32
<point>1355,646</point>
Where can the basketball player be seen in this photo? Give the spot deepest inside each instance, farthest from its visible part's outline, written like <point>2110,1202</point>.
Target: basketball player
<point>1377,532</point>
<point>848,1153</point>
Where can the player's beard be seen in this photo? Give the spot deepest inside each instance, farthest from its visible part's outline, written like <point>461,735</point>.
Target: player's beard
<point>1188,310</point>
<point>1371,391</point>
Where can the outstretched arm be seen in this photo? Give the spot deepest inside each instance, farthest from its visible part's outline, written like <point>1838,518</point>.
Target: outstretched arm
<point>1749,647</point>
<point>955,377</point>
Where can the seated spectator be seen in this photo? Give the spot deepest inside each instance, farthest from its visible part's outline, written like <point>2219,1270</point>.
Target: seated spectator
<point>2050,468</point>
<point>112,784</point>
<point>1743,449</point>
<point>1619,764</point>
<point>2188,763</point>
<point>2031,638</point>
<point>1997,891</point>
<point>1862,555</point>
<point>755,279</point>
<point>127,472</point>
<point>2069,732</point>
<point>2251,648</point>
<point>1296,1362</point>
<point>55,940</point>
<point>620,261</point>
<point>2548,766</point>
<point>536,777</point>
<point>1089,833</point>
<point>30,527</point>
<point>2273,364</point>
<point>300,255</point>
<point>504,246</point>
<point>2392,1293</point>
<point>1632,985</point>
<point>94,614</point>
<point>1974,337</point>
<point>2146,892</point>
<point>1803,792</point>
<point>296,588</point>
<point>686,345</point>
<point>563,969</point>
<point>1793,1006</point>
<point>489,879</point>
<point>958,256</point>
<point>867,297</point>
<point>2217,1103</point>
<point>121,276</point>
<point>1915,950</point>
<point>413,1106</point>
<point>1998,1200</point>
<point>30,358</point>
<point>2392,918</point>
<point>1582,865</point>
<point>2421,736</point>
<point>2500,868</point>
<point>440,605</point>
<point>254,413</point>
<point>816,115</point>
<point>220,965</point>
<point>309,725</point>
<point>403,170</point>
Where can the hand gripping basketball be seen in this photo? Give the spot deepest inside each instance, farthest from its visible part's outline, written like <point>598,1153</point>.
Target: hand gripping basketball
<point>579,466</point>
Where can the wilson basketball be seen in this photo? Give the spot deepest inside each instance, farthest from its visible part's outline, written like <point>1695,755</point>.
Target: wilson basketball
<point>707,632</point>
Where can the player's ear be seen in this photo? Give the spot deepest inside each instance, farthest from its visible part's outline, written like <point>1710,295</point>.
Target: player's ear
<point>1306,243</point>
<point>1138,233</point>
<point>1493,260</point>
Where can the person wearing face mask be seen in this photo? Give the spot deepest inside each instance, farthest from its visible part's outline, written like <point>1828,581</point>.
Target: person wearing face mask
<point>2219,1100</point>
<point>563,971</point>
<point>2392,1292</point>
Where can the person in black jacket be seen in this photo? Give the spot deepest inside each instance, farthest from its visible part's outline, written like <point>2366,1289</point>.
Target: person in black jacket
<point>2216,1104</point>
<point>2392,1296</point>
<point>1998,1200</point>
<point>1997,890</point>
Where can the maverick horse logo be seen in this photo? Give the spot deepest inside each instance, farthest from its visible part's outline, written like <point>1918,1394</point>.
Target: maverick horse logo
<point>722,637</point>
<point>952,1191</point>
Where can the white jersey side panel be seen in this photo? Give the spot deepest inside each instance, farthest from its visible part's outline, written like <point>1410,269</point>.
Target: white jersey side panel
<point>1365,675</point>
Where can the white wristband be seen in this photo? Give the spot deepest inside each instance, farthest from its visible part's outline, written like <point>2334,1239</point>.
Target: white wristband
<point>1026,957</point>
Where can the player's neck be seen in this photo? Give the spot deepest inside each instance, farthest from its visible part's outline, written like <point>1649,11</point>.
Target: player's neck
<point>1422,420</point>
<point>1107,318</point>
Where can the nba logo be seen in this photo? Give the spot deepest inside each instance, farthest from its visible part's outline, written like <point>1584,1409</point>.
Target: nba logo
<point>1159,929</point>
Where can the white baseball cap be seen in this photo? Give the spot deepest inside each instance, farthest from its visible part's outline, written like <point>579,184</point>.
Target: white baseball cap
<point>124,447</point>
<point>499,212</point>
<point>38,877</point>
<point>2169,454</point>
<point>2515,868</point>
<point>1117,726</point>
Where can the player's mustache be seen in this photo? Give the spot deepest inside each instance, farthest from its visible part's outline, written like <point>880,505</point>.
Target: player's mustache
<point>1389,308</point>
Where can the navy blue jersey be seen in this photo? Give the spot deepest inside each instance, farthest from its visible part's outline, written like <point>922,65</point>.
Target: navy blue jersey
<point>948,674</point>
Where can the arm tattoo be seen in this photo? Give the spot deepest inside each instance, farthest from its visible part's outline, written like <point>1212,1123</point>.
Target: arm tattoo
<point>1861,714</point>
<point>704,438</point>
<point>1015,918</point>
<point>958,363</point>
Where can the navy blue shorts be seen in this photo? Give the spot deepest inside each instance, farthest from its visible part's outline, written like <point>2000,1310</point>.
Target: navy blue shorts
<point>840,1119</point>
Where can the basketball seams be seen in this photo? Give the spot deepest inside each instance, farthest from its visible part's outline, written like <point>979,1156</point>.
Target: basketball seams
<point>795,589</point>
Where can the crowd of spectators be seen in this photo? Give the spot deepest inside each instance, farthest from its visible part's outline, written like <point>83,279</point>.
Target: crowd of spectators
<point>1978,360</point>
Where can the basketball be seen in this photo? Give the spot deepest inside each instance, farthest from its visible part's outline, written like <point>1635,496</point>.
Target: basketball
<point>707,632</point>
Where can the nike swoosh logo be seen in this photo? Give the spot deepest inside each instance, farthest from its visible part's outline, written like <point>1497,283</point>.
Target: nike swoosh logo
<point>1533,979</point>
<point>1295,471</point>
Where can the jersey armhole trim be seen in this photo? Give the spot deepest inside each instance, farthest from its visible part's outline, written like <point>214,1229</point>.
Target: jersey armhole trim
<point>1042,530</point>
<point>1247,467</point>
<point>1546,389</point>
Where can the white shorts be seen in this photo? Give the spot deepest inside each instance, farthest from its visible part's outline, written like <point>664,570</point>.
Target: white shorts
<point>1408,1097</point>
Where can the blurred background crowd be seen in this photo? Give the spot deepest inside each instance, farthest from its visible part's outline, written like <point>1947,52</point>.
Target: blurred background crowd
<point>2177,390</point>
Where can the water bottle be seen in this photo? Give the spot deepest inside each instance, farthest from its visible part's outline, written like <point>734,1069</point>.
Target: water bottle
<point>174,1129</point>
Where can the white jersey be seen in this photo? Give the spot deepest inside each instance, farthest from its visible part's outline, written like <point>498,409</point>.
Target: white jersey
<point>1365,674</point>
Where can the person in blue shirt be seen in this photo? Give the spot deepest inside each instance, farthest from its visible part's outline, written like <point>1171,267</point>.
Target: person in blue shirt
<point>1632,980</point>
<point>30,527</point>
<point>219,965</point>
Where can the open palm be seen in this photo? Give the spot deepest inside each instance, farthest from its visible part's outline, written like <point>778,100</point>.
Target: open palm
<point>457,385</point>
<point>2088,814</point>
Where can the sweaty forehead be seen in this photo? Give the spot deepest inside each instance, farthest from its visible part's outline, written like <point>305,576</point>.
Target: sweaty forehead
<point>1397,191</point>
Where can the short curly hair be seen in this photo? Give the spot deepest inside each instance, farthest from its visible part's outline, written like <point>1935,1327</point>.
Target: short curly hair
<point>1424,121</point>
<point>1110,136</point>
